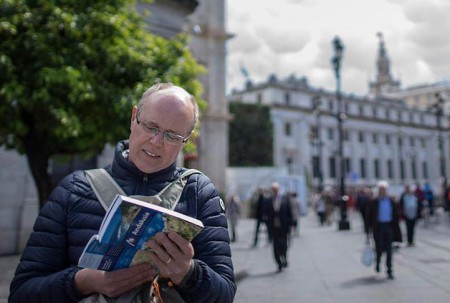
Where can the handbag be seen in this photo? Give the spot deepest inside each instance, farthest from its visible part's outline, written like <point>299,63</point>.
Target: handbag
<point>367,254</point>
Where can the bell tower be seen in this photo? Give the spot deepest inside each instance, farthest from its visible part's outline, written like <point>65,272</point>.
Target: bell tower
<point>384,82</point>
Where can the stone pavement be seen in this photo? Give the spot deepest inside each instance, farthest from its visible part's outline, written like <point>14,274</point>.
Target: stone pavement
<point>325,267</point>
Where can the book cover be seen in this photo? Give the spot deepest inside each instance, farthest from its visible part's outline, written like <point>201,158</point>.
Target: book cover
<point>127,227</point>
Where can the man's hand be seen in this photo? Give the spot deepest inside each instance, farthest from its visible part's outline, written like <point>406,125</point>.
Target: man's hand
<point>172,255</point>
<point>113,283</point>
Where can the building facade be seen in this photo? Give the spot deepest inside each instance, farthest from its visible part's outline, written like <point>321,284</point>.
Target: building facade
<point>384,137</point>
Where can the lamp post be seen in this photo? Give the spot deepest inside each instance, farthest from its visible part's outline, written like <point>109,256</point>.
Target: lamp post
<point>316,109</point>
<point>439,111</point>
<point>400,157</point>
<point>343,198</point>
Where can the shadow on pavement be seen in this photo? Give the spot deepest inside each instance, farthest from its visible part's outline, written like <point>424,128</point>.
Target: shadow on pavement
<point>363,281</point>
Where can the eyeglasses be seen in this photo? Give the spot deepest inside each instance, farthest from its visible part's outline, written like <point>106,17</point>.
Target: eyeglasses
<point>168,136</point>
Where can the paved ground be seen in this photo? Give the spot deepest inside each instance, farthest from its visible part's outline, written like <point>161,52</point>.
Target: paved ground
<point>325,267</point>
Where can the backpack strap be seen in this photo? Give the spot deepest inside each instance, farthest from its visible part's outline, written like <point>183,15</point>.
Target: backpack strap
<point>106,189</point>
<point>171,194</point>
<point>104,186</point>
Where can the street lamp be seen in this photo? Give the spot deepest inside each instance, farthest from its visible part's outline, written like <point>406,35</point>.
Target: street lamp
<point>439,111</point>
<point>343,198</point>
<point>316,109</point>
<point>400,156</point>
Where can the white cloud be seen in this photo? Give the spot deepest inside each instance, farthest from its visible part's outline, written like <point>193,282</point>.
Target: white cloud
<point>294,37</point>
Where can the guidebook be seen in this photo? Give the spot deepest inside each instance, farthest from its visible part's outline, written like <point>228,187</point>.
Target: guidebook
<point>127,227</point>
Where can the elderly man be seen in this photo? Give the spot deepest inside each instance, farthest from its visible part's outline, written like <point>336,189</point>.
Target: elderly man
<point>200,271</point>
<point>383,221</point>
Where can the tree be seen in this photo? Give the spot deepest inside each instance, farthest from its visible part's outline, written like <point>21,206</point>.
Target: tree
<point>251,135</point>
<point>70,71</point>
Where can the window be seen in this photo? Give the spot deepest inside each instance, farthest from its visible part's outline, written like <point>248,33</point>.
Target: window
<point>374,112</point>
<point>313,134</point>
<point>402,170</point>
<point>374,138</point>
<point>387,113</point>
<point>331,105</point>
<point>348,166</point>
<point>425,170</point>
<point>362,167</point>
<point>259,98</point>
<point>400,141</point>
<point>330,133</point>
<point>332,166</point>
<point>388,139</point>
<point>346,135</point>
<point>361,136</point>
<point>413,168</point>
<point>361,110</point>
<point>287,98</point>
<point>411,117</point>
<point>376,165</point>
<point>287,129</point>
<point>423,142</point>
<point>411,141</point>
<point>289,165</point>
<point>315,163</point>
<point>346,107</point>
<point>390,169</point>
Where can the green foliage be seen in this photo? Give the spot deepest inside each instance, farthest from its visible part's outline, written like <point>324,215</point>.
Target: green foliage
<point>70,71</point>
<point>251,135</point>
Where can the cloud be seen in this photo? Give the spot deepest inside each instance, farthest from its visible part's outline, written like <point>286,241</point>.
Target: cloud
<point>282,40</point>
<point>295,37</point>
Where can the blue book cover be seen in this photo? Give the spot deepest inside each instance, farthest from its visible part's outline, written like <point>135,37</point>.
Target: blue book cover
<point>127,227</point>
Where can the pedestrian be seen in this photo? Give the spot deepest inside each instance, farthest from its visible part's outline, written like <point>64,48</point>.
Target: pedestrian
<point>201,271</point>
<point>429,196</point>
<point>362,203</point>
<point>383,222</point>
<point>319,206</point>
<point>409,206</point>
<point>420,199</point>
<point>233,212</point>
<point>280,220</point>
<point>330,199</point>
<point>260,206</point>
<point>296,211</point>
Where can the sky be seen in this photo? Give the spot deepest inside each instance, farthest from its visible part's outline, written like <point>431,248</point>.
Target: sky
<point>294,37</point>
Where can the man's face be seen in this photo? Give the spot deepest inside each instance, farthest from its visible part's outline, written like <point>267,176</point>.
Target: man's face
<point>168,112</point>
<point>382,191</point>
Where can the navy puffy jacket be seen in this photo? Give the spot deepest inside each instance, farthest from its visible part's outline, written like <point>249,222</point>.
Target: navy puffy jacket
<point>73,214</point>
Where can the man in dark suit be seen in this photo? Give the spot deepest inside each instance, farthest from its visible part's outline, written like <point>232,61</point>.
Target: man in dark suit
<point>383,221</point>
<point>280,220</point>
<point>260,211</point>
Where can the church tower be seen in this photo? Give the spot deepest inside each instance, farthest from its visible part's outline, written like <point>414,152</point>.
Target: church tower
<point>384,82</point>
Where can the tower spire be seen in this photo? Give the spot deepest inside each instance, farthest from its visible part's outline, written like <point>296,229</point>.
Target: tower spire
<point>384,82</point>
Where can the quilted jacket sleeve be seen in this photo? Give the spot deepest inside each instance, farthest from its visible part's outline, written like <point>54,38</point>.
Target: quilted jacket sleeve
<point>214,278</point>
<point>48,264</point>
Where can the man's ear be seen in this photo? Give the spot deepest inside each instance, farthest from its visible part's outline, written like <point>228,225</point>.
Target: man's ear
<point>133,113</point>
<point>133,116</point>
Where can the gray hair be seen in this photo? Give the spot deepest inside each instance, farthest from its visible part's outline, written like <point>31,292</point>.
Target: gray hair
<point>165,86</point>
<point>383,183</point>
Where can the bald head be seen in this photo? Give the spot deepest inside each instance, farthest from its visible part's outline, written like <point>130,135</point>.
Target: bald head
<point>170,90</point>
